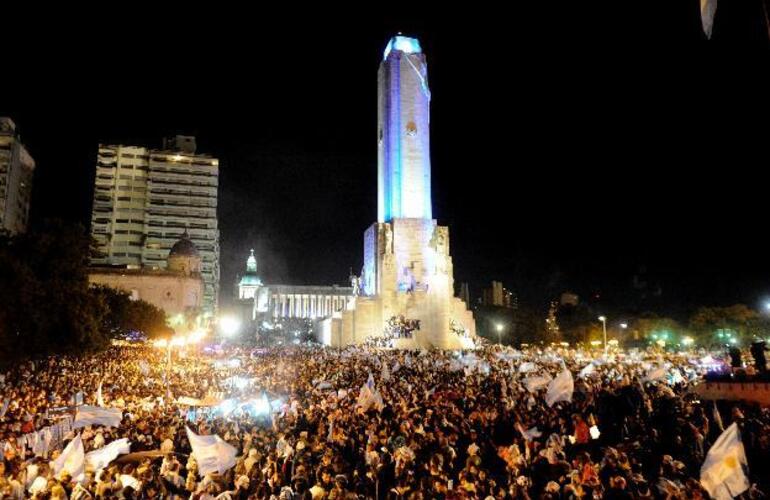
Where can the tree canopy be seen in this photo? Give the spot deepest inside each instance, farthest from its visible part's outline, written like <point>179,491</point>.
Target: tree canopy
<point>46,304</point>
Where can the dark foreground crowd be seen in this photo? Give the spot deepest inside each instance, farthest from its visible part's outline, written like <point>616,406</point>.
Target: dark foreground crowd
<point>445,425</point>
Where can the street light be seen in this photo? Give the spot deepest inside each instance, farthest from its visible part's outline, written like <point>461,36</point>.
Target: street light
<point>603,319</point>
<point>499,327</point>
<point>229,325</point>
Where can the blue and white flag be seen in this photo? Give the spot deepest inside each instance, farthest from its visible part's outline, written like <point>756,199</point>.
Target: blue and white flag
<point>95,415</point>
<point>560,388</point>
<point>723,474</point>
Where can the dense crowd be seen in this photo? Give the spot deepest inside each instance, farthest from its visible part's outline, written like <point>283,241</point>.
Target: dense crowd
<point>437,425</point>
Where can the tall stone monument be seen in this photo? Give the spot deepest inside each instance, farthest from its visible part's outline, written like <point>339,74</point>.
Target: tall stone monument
<point>407,273</point>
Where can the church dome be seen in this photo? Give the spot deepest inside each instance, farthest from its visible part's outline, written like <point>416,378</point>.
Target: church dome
<point>184,247</point>
<point>183,258</point>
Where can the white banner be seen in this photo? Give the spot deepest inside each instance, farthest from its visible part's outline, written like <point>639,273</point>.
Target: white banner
<point>99,459</point>
<point>211,452</point>
<point>537,382</point>
<point>94,415</point>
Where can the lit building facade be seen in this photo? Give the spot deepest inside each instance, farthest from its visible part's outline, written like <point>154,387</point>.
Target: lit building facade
<point>266,302</point>
<point>145,199</point>
<point>498,296</point>
<point>16,171</point>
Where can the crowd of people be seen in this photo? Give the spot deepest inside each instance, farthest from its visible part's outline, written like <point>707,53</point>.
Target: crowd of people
<point>442,425</point>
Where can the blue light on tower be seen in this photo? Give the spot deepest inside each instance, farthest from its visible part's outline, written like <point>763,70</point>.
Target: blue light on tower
<point>404,44</point>
<point>404,132</point>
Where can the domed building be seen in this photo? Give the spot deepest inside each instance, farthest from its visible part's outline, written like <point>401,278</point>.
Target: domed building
<point>260,302</point>
<point>250,282</point>
<point>177,289</point>
<point>183,258</point>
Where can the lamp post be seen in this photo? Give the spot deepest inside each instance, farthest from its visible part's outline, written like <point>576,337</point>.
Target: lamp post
<point>603,319</point>
<point>499,327</point>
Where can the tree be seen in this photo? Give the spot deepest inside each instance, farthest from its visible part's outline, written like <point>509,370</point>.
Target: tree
<point>552,333</point>
<point>577,324</point>
<point>124,315</point>
<point>46,306</point>
<point>723,324</point>
<point>651,327</point>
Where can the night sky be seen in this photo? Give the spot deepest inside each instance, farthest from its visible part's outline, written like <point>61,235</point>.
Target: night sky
<point>572,147</point>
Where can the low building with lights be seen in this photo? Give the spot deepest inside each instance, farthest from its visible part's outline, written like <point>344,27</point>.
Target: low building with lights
<point>271,304</point>
<point>177,288</point>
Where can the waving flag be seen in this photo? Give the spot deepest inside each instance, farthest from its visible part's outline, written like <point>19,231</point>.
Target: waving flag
<point>95,415</point>
<point>99,397</point>
<point>99,459</point>
<point>72,460</point>
<point>537,382</point>
<point>211,452</point>
<point>655,374</point>
<point>707,10</point>
<point>560,388</point>
<point>588,370</point>
<point>722,474</point>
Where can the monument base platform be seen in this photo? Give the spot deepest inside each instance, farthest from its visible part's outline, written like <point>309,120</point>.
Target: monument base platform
<point>408,344</point>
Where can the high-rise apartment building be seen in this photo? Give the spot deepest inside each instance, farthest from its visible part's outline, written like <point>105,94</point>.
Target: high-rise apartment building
<point>16,170</point>
<point>146,199</point>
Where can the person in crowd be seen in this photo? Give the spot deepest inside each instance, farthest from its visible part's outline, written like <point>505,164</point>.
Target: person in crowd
<point>367,422</point>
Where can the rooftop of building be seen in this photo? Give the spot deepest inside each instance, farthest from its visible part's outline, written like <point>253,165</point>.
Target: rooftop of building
<point>249,280</point>
<point>310,289</point>
<point>132,270</point>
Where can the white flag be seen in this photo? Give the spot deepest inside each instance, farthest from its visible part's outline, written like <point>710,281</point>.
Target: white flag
<point>718,418</point>
<point>537,382</point>
<point>655,374</point>
<point>527,367</point>
<point>99,398</point>
<point>588,370</point>
<point>95,415</point>
<point>707,10</point>
<point>722,474</point>
<point>72,460</point>
<point>99,459</point>
<point>560,388</point>
<point>530,433</point>
<point>385,375</point>
<point>211,452</point>
<point>676,377</point>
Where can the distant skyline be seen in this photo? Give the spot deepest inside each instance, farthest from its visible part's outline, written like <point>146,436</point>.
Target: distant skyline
<point>570,150</point>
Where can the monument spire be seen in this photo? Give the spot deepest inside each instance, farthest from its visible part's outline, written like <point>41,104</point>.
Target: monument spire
<point>403,142</point>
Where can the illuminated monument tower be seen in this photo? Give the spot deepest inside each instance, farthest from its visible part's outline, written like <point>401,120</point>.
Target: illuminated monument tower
<point>407,266</point>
